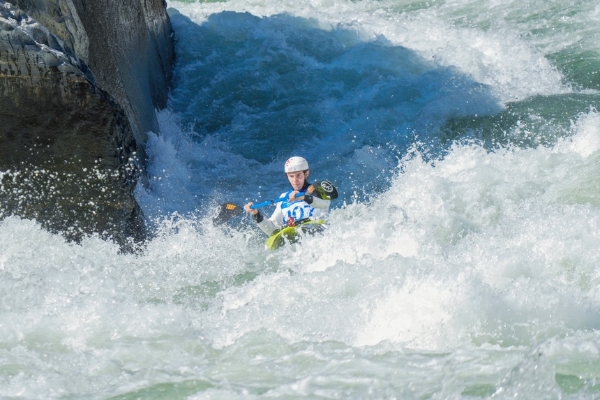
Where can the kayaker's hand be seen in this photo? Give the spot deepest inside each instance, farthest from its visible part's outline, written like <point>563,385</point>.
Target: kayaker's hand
<point>293,196</point>
<point>250,210</point>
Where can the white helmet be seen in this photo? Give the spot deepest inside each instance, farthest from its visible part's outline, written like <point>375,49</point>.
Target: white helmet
<point>296,163</point>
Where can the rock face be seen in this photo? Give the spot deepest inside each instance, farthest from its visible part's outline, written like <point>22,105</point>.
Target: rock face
<point>79,85</point>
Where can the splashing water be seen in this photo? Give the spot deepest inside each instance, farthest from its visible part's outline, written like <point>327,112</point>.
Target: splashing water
<point>460,261</point>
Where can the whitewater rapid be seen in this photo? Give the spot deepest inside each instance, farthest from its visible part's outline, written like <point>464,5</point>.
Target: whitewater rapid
<point>461,260</point>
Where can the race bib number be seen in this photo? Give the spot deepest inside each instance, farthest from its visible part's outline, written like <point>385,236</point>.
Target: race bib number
<point>297,211</point>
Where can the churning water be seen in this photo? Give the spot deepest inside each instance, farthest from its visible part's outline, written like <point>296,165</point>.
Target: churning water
<point>462,259</point>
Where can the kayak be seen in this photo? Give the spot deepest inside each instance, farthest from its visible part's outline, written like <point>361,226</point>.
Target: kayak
<point>291,233</point>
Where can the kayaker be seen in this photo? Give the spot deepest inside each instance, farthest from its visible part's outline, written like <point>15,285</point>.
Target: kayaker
<point>295,209</point>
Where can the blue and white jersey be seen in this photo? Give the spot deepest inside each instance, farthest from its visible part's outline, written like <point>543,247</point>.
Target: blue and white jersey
<point>295,209</point>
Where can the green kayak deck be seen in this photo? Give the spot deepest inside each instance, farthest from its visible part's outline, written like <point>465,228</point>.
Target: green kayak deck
<point>291,233</point>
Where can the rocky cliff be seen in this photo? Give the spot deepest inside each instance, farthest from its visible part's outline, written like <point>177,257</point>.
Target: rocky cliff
<point>79,85</point>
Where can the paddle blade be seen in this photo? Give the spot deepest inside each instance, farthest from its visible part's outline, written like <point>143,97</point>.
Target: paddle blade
<point>324,190</point>
<point>226,212</point>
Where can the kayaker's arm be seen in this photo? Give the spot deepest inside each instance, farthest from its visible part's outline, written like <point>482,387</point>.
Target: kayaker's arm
<point>265,224</point>
<point>317,202</point>
<point>313,200</point>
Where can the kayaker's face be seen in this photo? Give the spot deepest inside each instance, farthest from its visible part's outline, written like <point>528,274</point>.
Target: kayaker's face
<point>297,179</point>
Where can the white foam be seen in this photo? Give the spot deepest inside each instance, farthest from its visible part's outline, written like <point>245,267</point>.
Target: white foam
<point>476,262</point>
<point>497,57</point>
<point>478,247</point>
<point>586,138</point>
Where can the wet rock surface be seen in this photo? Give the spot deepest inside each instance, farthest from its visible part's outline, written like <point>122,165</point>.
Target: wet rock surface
<point>79,84</point>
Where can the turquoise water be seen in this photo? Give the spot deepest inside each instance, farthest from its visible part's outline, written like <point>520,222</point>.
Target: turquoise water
<point>460,262</point>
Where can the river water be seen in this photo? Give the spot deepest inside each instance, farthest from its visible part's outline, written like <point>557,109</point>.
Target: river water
<point>461,260</point>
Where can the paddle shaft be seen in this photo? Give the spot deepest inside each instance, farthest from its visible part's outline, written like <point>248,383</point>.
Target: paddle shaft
<point>269,202</point>
<point>229,210</point>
